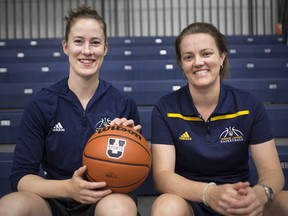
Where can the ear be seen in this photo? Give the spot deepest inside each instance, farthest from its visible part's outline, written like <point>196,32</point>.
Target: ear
<point>222,57</point>
<point>65,47</point>
<point>105,49</point>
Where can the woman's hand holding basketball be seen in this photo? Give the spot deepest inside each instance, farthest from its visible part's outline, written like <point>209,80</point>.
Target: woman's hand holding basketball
<point>84,191</point>
<point>126,122</point>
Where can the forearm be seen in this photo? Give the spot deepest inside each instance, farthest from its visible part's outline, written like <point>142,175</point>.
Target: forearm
<point>269,171</point>
<point>169,182</point>
<point>274,179</point>
<point>43,187</point>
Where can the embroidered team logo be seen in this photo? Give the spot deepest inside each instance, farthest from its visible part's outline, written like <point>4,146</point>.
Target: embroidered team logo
<point>102,123</point>
<point>115,148</point>
<point>231,134</point>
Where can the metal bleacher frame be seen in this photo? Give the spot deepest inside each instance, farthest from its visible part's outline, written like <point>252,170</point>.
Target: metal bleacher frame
<point>145,69</point>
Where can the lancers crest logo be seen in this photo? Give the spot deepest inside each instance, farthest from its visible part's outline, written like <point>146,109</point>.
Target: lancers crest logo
<point>231,134</point>
<point>115,148</point>
<point>102,123</point>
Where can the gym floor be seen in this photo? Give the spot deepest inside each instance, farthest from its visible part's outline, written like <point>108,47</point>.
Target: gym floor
<point>145,204</point>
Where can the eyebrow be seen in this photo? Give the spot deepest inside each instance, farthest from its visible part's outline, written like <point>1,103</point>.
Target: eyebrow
<point>202,50</point>
<point>94,38</point>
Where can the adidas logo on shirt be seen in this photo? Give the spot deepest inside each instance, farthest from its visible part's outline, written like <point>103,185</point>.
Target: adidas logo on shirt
<point>185,136</point>
<point>58,127</point>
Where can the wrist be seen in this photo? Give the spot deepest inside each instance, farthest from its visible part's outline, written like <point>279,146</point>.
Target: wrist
<point>67,186</point>
<point>269,194</point>
<point>205,191</point>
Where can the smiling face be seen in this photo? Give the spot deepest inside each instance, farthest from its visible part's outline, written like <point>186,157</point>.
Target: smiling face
<point>85,47</point>
<point>201,60</point>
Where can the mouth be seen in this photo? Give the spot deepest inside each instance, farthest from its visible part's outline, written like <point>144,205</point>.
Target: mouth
<point>86,61</point>
<point>201,72</point>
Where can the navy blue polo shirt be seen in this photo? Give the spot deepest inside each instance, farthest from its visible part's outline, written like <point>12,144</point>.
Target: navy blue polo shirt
<point>216,150</point>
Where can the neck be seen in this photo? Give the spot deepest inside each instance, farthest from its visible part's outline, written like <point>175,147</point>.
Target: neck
<point>84,89</point>
<point>205,100</point>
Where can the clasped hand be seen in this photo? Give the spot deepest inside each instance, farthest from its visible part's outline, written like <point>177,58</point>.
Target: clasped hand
<point>235,199</point>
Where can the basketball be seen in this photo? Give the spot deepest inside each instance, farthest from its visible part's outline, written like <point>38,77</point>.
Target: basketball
<point>118,155</point>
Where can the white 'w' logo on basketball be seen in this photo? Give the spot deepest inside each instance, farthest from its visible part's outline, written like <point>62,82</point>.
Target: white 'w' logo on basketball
<point>115,148</point>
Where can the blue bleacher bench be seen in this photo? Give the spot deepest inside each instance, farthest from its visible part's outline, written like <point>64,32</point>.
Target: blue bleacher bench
<point>5,167</point>
<point>273,90</point>
<point>254,39</point>
<point>9,125</point>
<point>139,40</point>
<point>135,51</point>
<point>259,67</point>
<point>32,55</point>
<point>147,92</point>
<point>27,67</point>
<point>258,51</point>
<point>16,96</point>
<point>110,70</point>
<point>278,119</point>
<point>28,43</point>
<point>139,70</point>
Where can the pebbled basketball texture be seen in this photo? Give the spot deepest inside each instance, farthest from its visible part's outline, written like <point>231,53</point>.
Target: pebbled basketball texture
<point>118,155</point>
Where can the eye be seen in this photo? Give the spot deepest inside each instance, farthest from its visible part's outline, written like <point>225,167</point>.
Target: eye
<point>207,54</point>
<point>78,42</point>
<point>187,57</point>
<point>96,43</point>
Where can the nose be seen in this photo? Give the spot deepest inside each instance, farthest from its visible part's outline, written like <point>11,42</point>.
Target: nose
<point>198,61</point>
<point>87,49</point>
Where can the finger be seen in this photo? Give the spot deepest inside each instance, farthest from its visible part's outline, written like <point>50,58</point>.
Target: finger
<point>118,121</point>
<point>245,202</point>
<point>137,127</point>
<point>243,192</point>
<point>79,172</point>
<point>92,197</point>
<point>113,122</point>
<point>129,122</point>
<point>241,185</point>
<point>95,185</point>
<point>125,122</point>
<point>247,210</point>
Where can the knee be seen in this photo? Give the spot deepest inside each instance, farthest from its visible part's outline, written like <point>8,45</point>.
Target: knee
<point>23,203</point>
<point>116,205</point>
<point>14,204</point>
<point>170,204</point>
<point>279,207</point>
<point>281,202</point>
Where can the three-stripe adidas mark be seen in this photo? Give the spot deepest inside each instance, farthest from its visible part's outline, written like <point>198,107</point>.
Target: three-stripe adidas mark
<point>185,136</point>
<point>58,127</point>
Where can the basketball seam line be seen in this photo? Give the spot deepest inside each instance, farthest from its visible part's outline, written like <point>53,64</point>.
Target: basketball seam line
<point>116,162</point>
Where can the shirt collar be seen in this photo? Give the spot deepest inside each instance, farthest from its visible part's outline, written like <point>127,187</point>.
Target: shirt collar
<point>188,108</point>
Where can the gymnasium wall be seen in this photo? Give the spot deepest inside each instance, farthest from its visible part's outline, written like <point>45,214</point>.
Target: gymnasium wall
<point>44,18</point>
